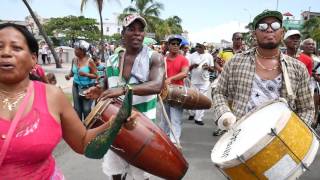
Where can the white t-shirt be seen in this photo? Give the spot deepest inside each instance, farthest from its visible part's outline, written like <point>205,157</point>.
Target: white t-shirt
<point>198,75</point>
<point>44,49</point>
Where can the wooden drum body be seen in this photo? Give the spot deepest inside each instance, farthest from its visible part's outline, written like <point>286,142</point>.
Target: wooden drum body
<point>144,145</point>
<point>269,143</point>
<point>187,98</point>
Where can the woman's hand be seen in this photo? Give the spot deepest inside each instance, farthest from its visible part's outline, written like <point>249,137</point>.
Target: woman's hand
<point>67,77</point>
<point>131,121</point>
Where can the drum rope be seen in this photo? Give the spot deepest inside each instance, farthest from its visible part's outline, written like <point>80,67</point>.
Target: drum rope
<point>164,112</point>
<point>222,172</point>
<point>240,158</point>
<point>273,132</point>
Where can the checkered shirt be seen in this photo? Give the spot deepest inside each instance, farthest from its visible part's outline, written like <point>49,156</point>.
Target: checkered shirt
<point>235,83</point>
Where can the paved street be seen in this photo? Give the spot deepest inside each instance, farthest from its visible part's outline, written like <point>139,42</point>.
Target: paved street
<point>197,142</point>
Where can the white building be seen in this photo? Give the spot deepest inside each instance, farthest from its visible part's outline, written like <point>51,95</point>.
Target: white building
<point>112,26</point>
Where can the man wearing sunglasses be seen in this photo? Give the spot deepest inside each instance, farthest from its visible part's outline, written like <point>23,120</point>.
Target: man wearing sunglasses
<point>177,67</point>
<point>262,74</point>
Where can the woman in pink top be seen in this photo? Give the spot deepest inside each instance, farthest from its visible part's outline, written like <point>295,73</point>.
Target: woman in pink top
<point>46,118</point>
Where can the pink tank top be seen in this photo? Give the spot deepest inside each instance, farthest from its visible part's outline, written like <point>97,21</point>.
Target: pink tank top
<point>29,155</point>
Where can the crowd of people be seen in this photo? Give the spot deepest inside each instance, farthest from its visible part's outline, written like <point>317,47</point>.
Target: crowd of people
<point>245,79</point>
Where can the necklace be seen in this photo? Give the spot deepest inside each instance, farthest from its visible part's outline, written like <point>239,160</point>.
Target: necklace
<point>264,57</point>
<point>10,103</point>
<point>265,68</point>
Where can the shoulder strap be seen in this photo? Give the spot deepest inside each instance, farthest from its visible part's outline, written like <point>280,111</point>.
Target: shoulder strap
<point>14,123</point>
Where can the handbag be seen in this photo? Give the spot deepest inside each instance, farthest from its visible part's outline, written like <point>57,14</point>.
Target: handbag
<point>14,123</point>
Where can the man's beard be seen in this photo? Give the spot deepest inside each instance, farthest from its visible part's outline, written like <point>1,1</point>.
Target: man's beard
<point>268,45</point>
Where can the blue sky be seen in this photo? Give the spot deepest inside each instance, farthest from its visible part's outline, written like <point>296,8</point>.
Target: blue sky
<point>205,20</point>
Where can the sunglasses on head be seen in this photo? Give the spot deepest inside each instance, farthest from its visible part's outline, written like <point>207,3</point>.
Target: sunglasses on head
<point>264,26</point>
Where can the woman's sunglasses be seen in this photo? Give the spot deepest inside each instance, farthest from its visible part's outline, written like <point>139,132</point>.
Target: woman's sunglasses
<point>264,26</point>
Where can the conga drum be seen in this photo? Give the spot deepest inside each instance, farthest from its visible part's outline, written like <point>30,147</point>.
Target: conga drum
<point>269,143</point>
<point>187,98</point>
<point>144,145</point>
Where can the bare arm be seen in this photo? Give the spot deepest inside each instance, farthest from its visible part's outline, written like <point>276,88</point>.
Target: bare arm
<point>156,78</point>
<point>73,130</point>
<point>153,86</point>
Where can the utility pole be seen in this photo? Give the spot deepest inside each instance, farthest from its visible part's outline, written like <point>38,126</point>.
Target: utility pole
<point>277,4</point>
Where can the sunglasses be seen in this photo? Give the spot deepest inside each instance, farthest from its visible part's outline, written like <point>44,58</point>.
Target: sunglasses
<point>239,38</point>
<point>175,44</point>
<point>264,26</point>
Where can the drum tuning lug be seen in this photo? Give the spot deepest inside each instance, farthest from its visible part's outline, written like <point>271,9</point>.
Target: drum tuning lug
<point>273,132</point>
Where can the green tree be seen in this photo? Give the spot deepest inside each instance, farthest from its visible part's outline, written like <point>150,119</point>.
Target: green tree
<point>171,25</point>
<point>311,28</point>
<point>114,38</point>
<point>73,27</point>
<point>148,9</point>
<point>43,33</point>
<point>99,4</point>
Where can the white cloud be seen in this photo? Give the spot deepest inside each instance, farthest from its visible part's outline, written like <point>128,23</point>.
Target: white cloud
<point>217,33</point>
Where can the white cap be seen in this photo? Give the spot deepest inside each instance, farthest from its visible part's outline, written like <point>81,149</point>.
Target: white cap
<point>291,33</point>
<point>131,18</point>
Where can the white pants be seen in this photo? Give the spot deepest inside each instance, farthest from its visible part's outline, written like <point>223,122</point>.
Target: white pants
<point>114,164</point>
<point>203,89</point>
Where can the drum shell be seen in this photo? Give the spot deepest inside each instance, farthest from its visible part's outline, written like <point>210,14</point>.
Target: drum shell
<point>295,134</point>
<point>187,98</point>
<point>147,147</point>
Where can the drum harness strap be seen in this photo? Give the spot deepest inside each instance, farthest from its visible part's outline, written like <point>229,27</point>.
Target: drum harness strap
<point>164,112</point>
<point>290,93</point>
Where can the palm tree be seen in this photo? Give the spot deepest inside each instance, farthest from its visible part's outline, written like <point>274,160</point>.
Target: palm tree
<point>148,9</point>
<point>99,4</point>
<point>171,25</point>
<point>43,33</point>
<point>311,28</point>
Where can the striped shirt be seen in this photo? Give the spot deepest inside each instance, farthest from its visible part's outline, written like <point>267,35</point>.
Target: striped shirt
<point>236,80</point>
<point>139,74</point>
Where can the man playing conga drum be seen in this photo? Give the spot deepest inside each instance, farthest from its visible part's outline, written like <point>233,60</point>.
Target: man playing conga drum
<point>144,70</point>
<point>262,74</point>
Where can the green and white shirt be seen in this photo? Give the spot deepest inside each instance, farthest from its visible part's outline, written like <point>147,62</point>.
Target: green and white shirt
<point>139,74</point>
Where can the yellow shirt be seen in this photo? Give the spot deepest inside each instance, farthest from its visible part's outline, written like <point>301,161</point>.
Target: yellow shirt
<point>226,54</point>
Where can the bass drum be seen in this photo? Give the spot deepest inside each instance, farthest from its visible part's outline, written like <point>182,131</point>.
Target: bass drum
<point>143,145</point>
<point>269,143</point>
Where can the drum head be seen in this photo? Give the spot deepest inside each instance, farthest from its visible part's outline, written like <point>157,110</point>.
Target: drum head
<point>251,134</point>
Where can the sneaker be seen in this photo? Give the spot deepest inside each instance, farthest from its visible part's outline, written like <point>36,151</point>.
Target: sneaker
<point>191,118</point>
<point>218,132</point>
<point>199,122</point>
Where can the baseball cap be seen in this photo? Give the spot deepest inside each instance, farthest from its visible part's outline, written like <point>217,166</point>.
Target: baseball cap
<point>291,33</point>
<point>174,37</point>
<point>131,18</point>
<point>204,44</point>
<point>264,14</point>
